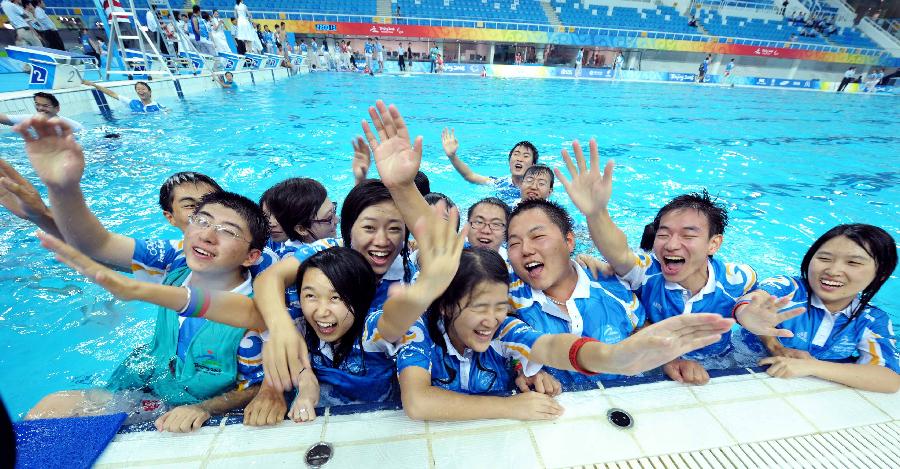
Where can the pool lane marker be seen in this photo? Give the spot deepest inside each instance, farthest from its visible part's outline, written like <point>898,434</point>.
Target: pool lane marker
<point>101,103</point>
<point>178,88</point>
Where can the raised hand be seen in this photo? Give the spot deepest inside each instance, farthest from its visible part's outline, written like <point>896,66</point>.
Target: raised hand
<point>761,314</point>
<point>589,189</point>
<point>440,247</point>
<point>448,139</point>
<point>665,341</point>
<point>18,195</point>
<point>122,287</point>
<point>362,159</point>
<point>52,150</point>
<point>396,158</point>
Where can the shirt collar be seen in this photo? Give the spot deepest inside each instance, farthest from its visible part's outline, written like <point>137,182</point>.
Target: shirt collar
<point>582,290</point>
<point>710,281</point>
<point>814,300</point>
<point>450,348</point>
<point>395,271</point>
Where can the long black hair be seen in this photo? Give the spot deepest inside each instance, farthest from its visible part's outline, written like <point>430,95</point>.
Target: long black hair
<point>294,202</point>
<point>476,265</point>
<point>354,281</point>
<point>366,194</point>
<point>872,239</point>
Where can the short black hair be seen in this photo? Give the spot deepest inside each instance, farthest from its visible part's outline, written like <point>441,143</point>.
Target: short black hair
<point>715,211</point>
<point>167,191</point>
<point>293,202</point>
<point>422,183</point>
<point>557,215</point>
<point>540,169</point>
<point>491,201</point>
<point>432,198</point>
<point>246,209</point>
<point>528,145</point>
<point>195,8</point>
<point>53,100</point>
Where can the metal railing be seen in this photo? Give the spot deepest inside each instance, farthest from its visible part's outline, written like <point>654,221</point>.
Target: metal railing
<point>719,4</point>
<point>547,28</point>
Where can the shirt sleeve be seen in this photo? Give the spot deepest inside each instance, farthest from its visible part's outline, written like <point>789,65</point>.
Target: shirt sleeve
<point>152,258</point>
<point>515,340</point>
<point>249,358</point>
<point>417,350</point>
<point>779,286</point>
<point>373,341</point>
<point>643,263</point>
<point>266,259</point>
<point>306,251</point>
<point>877,345</point>
<point>743,275</point>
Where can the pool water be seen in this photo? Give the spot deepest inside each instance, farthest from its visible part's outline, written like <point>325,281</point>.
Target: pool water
<point>790,165</point>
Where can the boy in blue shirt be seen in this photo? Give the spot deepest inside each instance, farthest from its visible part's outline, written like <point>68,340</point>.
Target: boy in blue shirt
<point>521,157</point>
<point>681,275</point>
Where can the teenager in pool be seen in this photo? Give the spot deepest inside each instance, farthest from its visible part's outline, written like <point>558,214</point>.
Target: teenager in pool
<point>521,157</point>
<point>143,104</point>
<point>840,336</point>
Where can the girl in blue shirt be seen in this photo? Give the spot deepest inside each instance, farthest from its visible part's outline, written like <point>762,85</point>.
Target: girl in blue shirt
<point>455,363</point>
<point>830,330</point>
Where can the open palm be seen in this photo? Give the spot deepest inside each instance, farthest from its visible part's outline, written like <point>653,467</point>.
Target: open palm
<point>52,150</point>
<point>666,340</point>
<point>589,188</point>
<point>396,158</point>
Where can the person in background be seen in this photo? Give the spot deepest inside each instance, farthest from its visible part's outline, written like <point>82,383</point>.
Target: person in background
<point>218,33</point>
<point>239,44</point>
<point>46,28</point>
<point>579,58</point>
<point>228,81</point>
<point>144,104</point>
<point>89,45</point>
<point>25,33</point>
<point>848,78</point>
<point>379,55</point>
<point>729,70</point>
<point>617,66</point>
<point>152,20</point>
<point>45,104</point>
<point>784,6</point>
<point>401,57</point>
<point>432,54</point>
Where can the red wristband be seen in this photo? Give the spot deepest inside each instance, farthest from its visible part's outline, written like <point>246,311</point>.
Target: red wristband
<point>573,355</point>
<point>734,310</point>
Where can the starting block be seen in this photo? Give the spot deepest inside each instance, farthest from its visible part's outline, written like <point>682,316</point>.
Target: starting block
<point>296,60</point>
<point>51,68</point>
<point>233,62</point>
<point>255,61</point>
<point>273,60</point>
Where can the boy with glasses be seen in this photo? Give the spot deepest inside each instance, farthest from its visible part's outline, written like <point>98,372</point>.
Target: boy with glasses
<point>45,104</point>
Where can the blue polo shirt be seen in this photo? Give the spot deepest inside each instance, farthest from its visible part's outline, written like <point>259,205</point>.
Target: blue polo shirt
<point>833,336</point>
<point>600,308</point>
<point>663,299</point>
<point>468,372</point>
<point>154,258</point>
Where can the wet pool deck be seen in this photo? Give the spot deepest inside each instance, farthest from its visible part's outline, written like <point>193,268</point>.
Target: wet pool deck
<point>730,422</point>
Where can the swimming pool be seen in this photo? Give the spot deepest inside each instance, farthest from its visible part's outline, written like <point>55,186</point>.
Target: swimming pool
<point>790,165</point>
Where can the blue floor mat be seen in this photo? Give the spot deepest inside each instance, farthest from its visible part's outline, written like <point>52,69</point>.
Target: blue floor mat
<point>70,442</point>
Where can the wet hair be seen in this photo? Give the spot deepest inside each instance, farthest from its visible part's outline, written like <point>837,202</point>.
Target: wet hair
<point>229,73</point>
<point>246,209</point>
<point>528,145</point>
<point>648,237</point>
<point>715,211</point>
<point>143,83</point>
<point>476,266</point>
<point>872,239</point>
<point>293,202</point>
<point>557,215</point>
<point>47,96</point>
<point>491,201</point>
<point>366,194</point>
<point>167,191</point>
<point>538,169</point>
<point>422,183</point>
<point>354,281</point>
<point>434,197</point>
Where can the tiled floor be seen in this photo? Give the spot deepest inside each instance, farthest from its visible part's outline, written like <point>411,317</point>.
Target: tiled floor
<point>746,420</point>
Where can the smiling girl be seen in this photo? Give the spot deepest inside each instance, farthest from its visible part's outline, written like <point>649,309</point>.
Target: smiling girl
<point>840,335</point>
